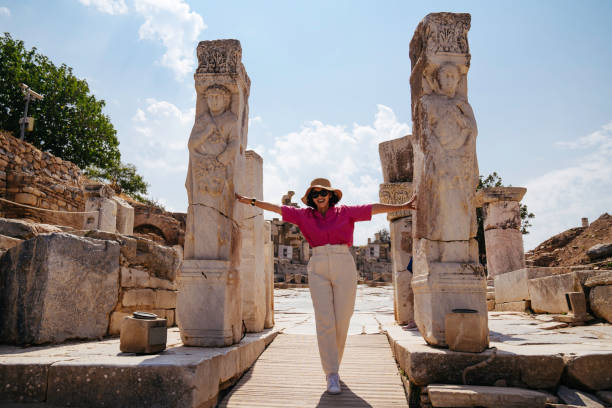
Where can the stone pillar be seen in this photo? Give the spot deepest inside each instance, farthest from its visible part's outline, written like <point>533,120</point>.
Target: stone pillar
<point>209,301</point>
<point>269,272</point>
<point>447,274</point>
<point>502,229</point>
<point>125,216</point>
<point>99,197</point>
<point>585,222</point>
<point>396,157</point>
<point>252,268</point>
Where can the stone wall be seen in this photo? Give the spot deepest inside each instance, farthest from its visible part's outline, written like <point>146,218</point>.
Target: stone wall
<point>35,178</point>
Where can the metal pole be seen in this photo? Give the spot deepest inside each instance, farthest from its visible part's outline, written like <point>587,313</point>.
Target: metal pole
<point>25,117</point>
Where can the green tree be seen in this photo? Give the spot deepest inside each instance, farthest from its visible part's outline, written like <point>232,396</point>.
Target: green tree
<point>122,178</point>
<point>495,180</point>
<point>69,121</point>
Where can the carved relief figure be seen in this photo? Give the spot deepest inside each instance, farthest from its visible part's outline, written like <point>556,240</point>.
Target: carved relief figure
<point>449,136</point>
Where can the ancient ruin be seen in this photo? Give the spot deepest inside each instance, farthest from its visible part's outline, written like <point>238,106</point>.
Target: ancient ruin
<point>208,306</point>
<point>447,274</point>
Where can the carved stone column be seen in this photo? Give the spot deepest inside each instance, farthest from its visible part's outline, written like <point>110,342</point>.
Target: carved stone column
<point>502,229</point>
<point>99,197</point>
<point>209,302</point>
<point>396,158</point>
<point>252,268</point>
<point>269,272</point>
<point>447,274</point>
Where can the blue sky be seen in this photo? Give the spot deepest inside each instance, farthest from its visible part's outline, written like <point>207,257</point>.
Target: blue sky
<point>330,80</point>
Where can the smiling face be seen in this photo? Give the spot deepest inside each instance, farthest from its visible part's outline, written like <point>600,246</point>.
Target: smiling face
<point>321,202</point>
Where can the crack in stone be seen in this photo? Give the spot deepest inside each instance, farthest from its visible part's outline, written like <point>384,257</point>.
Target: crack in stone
<point>236,223</point>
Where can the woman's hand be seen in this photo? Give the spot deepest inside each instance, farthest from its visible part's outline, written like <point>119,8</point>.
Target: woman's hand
<point>410,204</point>
<point>243,199</point>
<point>259,204</point>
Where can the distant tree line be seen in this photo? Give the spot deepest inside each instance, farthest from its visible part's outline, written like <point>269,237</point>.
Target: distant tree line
<point>69,121</point>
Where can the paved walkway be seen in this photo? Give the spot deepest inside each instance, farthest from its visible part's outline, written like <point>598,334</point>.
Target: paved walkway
<point>288,374</point>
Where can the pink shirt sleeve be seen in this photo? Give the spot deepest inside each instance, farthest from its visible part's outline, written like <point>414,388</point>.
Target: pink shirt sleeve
<point>292,214</point>
<point>359,212</point>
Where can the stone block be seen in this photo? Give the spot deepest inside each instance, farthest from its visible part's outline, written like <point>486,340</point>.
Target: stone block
<point>143,336</point>
<point>466,330</point>
<point>128,244</point>
<point>162,261</point>
<point>600,251</point>
<point>139,298</point>
<point>165,299</point>
<point>505,251</point>
<point>578,398</point>
<point>23,382</point>
<point>548,294</point>
<point>600,300</point>
<point>57,287</point>
<point>134,278</point>
<point>519,306</point>
<point>603,278</point>
<point>605,396</point>
<point>491,305</point>
<point>589,371</point>
<point>26,198</point>
<point>269,272</point>
<point>107,209</point>
<point>401,250</point>
<point>513,286</point>
<point>8,242</point>
<point>396,158</point>
<point>125,216</point>
<point>21,229</point>
<point>444,395</point>
<point>577,304</point>
<point>396,193</point>
<point>116,319</point>
<point>495,194</point>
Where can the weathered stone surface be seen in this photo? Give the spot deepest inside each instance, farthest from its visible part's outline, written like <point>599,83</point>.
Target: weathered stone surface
<point>23,382</point>
<point>162,261</point>
<point>396,193</point>
<point>505,252</point>
<point>143,335</point>
<point>600,300</point>
<point>21,229</point>
<point>252,263</point>
<point>480,396</point>
<point>138,297</point>
<point>128,244</point>
<point>603,278</point>
<point>125,216</point>
<point>401,252</point>
<point>548,294</point>
<point>447,274</point>
<point>8,242</point>
<point>99,197</point>
<point>579,398</point>
<point>495,194</point>
<point>57,287</point>
<point>209,309</point>
<point>502,215</point>
<point>269,272</point>
<point>591,371</point>
<point>600,251</point>
<point>396,158</point>
<point>518,306</point>
<point>466,330</point>
<point>513,286</point>
<point>605,396</point>
<point>165,299</point>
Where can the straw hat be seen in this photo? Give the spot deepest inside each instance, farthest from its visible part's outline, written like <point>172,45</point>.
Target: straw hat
<point>321,183</point>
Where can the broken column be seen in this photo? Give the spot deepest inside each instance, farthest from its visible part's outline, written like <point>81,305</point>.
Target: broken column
<point>269,272</point>
<point>209,302</point>
<point>502,229</point>
<point>99,198</point>
<point>252,272</point>
<point>447,274</point>
<point>396,157</point>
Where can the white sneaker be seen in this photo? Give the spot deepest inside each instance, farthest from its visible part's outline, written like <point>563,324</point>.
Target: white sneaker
<point>333,384</point>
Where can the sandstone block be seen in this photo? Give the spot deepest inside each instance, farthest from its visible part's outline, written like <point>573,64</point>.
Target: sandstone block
<point>513,286</point>
<point>139,297</point>
<point>125,216</point>
<point>591,371</point>
<point>116,320</point>
<point>165,299</point>
<point>518,306</point>
<point>482,396</point>
<point>162,261</point>
<point>600,300</point>
<point>603,278</point>
<point>143,336</point>
<point>505,251</point>
<point>26,198</point>
<point>57,287</point>
<point>134,278</point>
<point>466,330</point>
<point>578,398</point>
<point>548,294</point>
<point>8,242</point>
<point>128,244</point>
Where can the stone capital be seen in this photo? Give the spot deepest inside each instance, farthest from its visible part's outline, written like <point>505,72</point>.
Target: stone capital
<point>494,194</point>
<point>395,193</point>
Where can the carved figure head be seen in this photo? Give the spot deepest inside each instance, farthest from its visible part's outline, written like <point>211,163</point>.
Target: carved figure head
<point>448,79</point>
<point>218,98</point>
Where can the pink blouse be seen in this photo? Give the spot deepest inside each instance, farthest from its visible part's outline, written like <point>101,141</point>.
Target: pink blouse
<point>336,227</point>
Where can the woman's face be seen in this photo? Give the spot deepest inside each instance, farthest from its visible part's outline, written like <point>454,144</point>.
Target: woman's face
<point>321,202</point>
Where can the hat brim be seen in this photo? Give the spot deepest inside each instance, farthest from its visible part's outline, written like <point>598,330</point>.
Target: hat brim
<point>335,190</point>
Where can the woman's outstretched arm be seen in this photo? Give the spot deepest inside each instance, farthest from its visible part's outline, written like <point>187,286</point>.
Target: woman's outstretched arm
<point>260,204</point>
<point>385,208</point>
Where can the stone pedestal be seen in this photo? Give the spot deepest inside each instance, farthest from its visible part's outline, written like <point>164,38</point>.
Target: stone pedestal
<point>502,226</point>
<point>252,264</point>
<point>209,311</point>
<point>447,274</point>
<point>269,273</point>
<point>143,336</point>
<point>466,330</point>
<point>99,198</point>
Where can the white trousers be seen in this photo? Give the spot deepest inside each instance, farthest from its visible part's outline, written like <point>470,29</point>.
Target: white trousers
<point>332,278</point>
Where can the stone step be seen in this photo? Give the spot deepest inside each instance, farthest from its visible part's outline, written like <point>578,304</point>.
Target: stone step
<point>445,395</point>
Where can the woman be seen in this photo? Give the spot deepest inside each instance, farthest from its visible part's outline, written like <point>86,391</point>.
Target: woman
<point>332,276</point>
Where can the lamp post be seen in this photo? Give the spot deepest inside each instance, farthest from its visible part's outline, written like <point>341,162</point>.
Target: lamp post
<point>29,94</point>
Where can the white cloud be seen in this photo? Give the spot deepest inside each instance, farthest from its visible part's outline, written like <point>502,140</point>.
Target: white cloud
<point>107,6</point>
<point>255,120</point>
<point>4,11</point>
<point>561,197</point>
<point>346,156</point>
<point>172,23</point>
